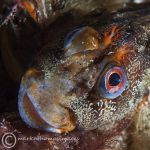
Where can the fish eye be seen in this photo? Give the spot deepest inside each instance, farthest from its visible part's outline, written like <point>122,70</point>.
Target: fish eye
<point>112,82</point>
<point>81,39</point>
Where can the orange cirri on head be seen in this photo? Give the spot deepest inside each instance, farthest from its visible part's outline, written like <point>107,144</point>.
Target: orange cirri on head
<point>110,35</point>
<point>122,51</point>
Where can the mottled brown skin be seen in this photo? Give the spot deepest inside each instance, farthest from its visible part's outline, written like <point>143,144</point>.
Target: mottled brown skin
<point>71,83</point>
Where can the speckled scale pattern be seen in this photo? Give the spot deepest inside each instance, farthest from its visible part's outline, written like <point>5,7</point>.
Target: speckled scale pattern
<point>65,85</point>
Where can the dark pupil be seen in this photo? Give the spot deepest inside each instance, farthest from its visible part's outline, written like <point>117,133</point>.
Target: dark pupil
<point>114,79</point>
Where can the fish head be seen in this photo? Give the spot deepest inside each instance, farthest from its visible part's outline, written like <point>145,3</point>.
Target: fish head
<point>100,82</point>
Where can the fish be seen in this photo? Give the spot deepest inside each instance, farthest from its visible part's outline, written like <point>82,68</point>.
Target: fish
<point>100,79</point>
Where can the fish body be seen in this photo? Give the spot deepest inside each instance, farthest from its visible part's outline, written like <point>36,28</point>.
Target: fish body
<point>93,74</point>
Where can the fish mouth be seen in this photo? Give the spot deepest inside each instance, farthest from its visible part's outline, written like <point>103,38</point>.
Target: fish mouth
<point>39,107</point>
